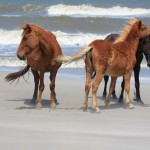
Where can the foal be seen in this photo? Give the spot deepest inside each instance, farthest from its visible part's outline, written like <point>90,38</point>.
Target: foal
<point>110,59</point>
<point>143,48</point>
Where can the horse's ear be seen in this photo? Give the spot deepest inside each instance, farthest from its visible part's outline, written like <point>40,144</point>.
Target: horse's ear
<point>27,27</point>
<point>139,24</point>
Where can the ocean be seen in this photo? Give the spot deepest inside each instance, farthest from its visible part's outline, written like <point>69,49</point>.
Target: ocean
<point>75,23</point>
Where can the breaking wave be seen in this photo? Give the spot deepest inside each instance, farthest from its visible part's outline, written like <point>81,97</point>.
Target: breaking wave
<point>90,11</point>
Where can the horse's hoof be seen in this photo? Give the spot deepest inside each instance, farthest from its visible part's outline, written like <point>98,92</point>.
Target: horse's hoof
<point>107,102</point>
<point>56,102</point>
<point>33,101</point>
<point>104,95</point>
<point>52,105</point>
<point>85,108</point>
<point>139,101</point>
<point>120,101</point>
<point>38,106</point>
<point>130,106</point>
<point>95,110</point>
<point>107,106</point>
<point>114,97</point>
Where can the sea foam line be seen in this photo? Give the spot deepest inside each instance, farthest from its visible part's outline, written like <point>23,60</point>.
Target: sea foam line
<point>69,39</point>
<point>90,11</point>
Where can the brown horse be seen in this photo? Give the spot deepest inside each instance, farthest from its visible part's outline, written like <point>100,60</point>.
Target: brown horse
<point>39,47</point>
<point>143,48</point>
<point>110,59</point>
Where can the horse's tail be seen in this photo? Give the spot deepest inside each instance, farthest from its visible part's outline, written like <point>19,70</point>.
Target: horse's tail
<point>75,57</point>
<point>91,64</point>
<point>15,75</point>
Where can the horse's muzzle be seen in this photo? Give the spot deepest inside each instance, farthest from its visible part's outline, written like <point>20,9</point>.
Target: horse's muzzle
<point>21,57</point>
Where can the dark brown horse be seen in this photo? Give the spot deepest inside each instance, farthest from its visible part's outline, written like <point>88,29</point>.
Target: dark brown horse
<point>143,48</point>
<point>39,47</point>
<point>116,59</point>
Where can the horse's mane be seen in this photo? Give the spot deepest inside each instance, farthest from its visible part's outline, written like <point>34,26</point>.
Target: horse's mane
<point>39,30</point>
<point>126,30</point>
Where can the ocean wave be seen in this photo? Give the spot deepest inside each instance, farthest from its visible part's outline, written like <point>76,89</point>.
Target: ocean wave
<point>11,62</point>
<point>10,36</point>
<point>81,39</point>
<point>70,43</point>
<point>90,11</point>
<point>10,39</point>
<point>32,8</point>
<point>72,11</point>
<point>7,62</point>
<point>14,37</point>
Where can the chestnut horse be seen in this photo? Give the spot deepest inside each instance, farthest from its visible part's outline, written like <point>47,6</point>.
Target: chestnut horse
<point>39,47</point>
<point>143,48</point>
<point>110,59</point>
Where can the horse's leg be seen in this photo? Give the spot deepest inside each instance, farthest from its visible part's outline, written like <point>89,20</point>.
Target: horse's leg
<point>105,86</point>
<point>87,87</point>
<point>53,100</point>
<point>127,77</point>
<point>122,91</point>
<point>114,94</point>
<point>36,82</point>
<point>95,84</point>
<point>106,78</point>
<point>137,83</point>
<point>89,70</point>
<point>41,89</point>
<point>111,89</point>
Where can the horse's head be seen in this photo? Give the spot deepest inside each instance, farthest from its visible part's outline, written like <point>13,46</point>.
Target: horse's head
<point>142,28</point>
<point>29,42</point>
<point>144,46</point>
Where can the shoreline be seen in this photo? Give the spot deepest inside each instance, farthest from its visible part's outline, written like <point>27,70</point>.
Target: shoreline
<point>80,73</point>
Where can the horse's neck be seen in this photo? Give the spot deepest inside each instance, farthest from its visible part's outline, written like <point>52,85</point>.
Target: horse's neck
<point>45,45</point>
<point>133,43</point>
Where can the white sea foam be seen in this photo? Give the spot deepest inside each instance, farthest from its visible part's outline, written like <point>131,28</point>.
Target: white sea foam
<point>68,39</point>
<point>81,39</point>
<point>11,63</point>
<point>10,36</point>
<point>9,39</point>
<point>90,11</point>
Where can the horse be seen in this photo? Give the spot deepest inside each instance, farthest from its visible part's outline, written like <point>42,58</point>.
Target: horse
<point>113,59</point>
<point>39,47</point>
<point>143,48</point>
<point>110,38</point>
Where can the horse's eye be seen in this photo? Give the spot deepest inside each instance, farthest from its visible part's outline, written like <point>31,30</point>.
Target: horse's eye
<point>25,37</point>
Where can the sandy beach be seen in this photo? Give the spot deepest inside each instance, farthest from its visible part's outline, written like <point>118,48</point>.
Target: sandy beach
<point>67,127</point>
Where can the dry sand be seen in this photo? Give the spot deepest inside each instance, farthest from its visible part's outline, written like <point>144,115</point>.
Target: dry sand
<point>22,127</point>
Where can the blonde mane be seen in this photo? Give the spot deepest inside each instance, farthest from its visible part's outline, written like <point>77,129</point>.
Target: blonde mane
<point>127,29</point>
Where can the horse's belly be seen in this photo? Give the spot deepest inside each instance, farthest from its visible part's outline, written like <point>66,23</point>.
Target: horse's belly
<point>114,72</point>
<point>116,69</point>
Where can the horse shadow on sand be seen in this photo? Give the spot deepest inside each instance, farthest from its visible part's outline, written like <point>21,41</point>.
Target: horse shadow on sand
<point>115,105</point>
<point>29,104</point>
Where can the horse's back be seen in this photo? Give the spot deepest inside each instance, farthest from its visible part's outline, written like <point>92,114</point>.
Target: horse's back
<point>105,54</point>
<point>54,44</point>
<point>101,48</point>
